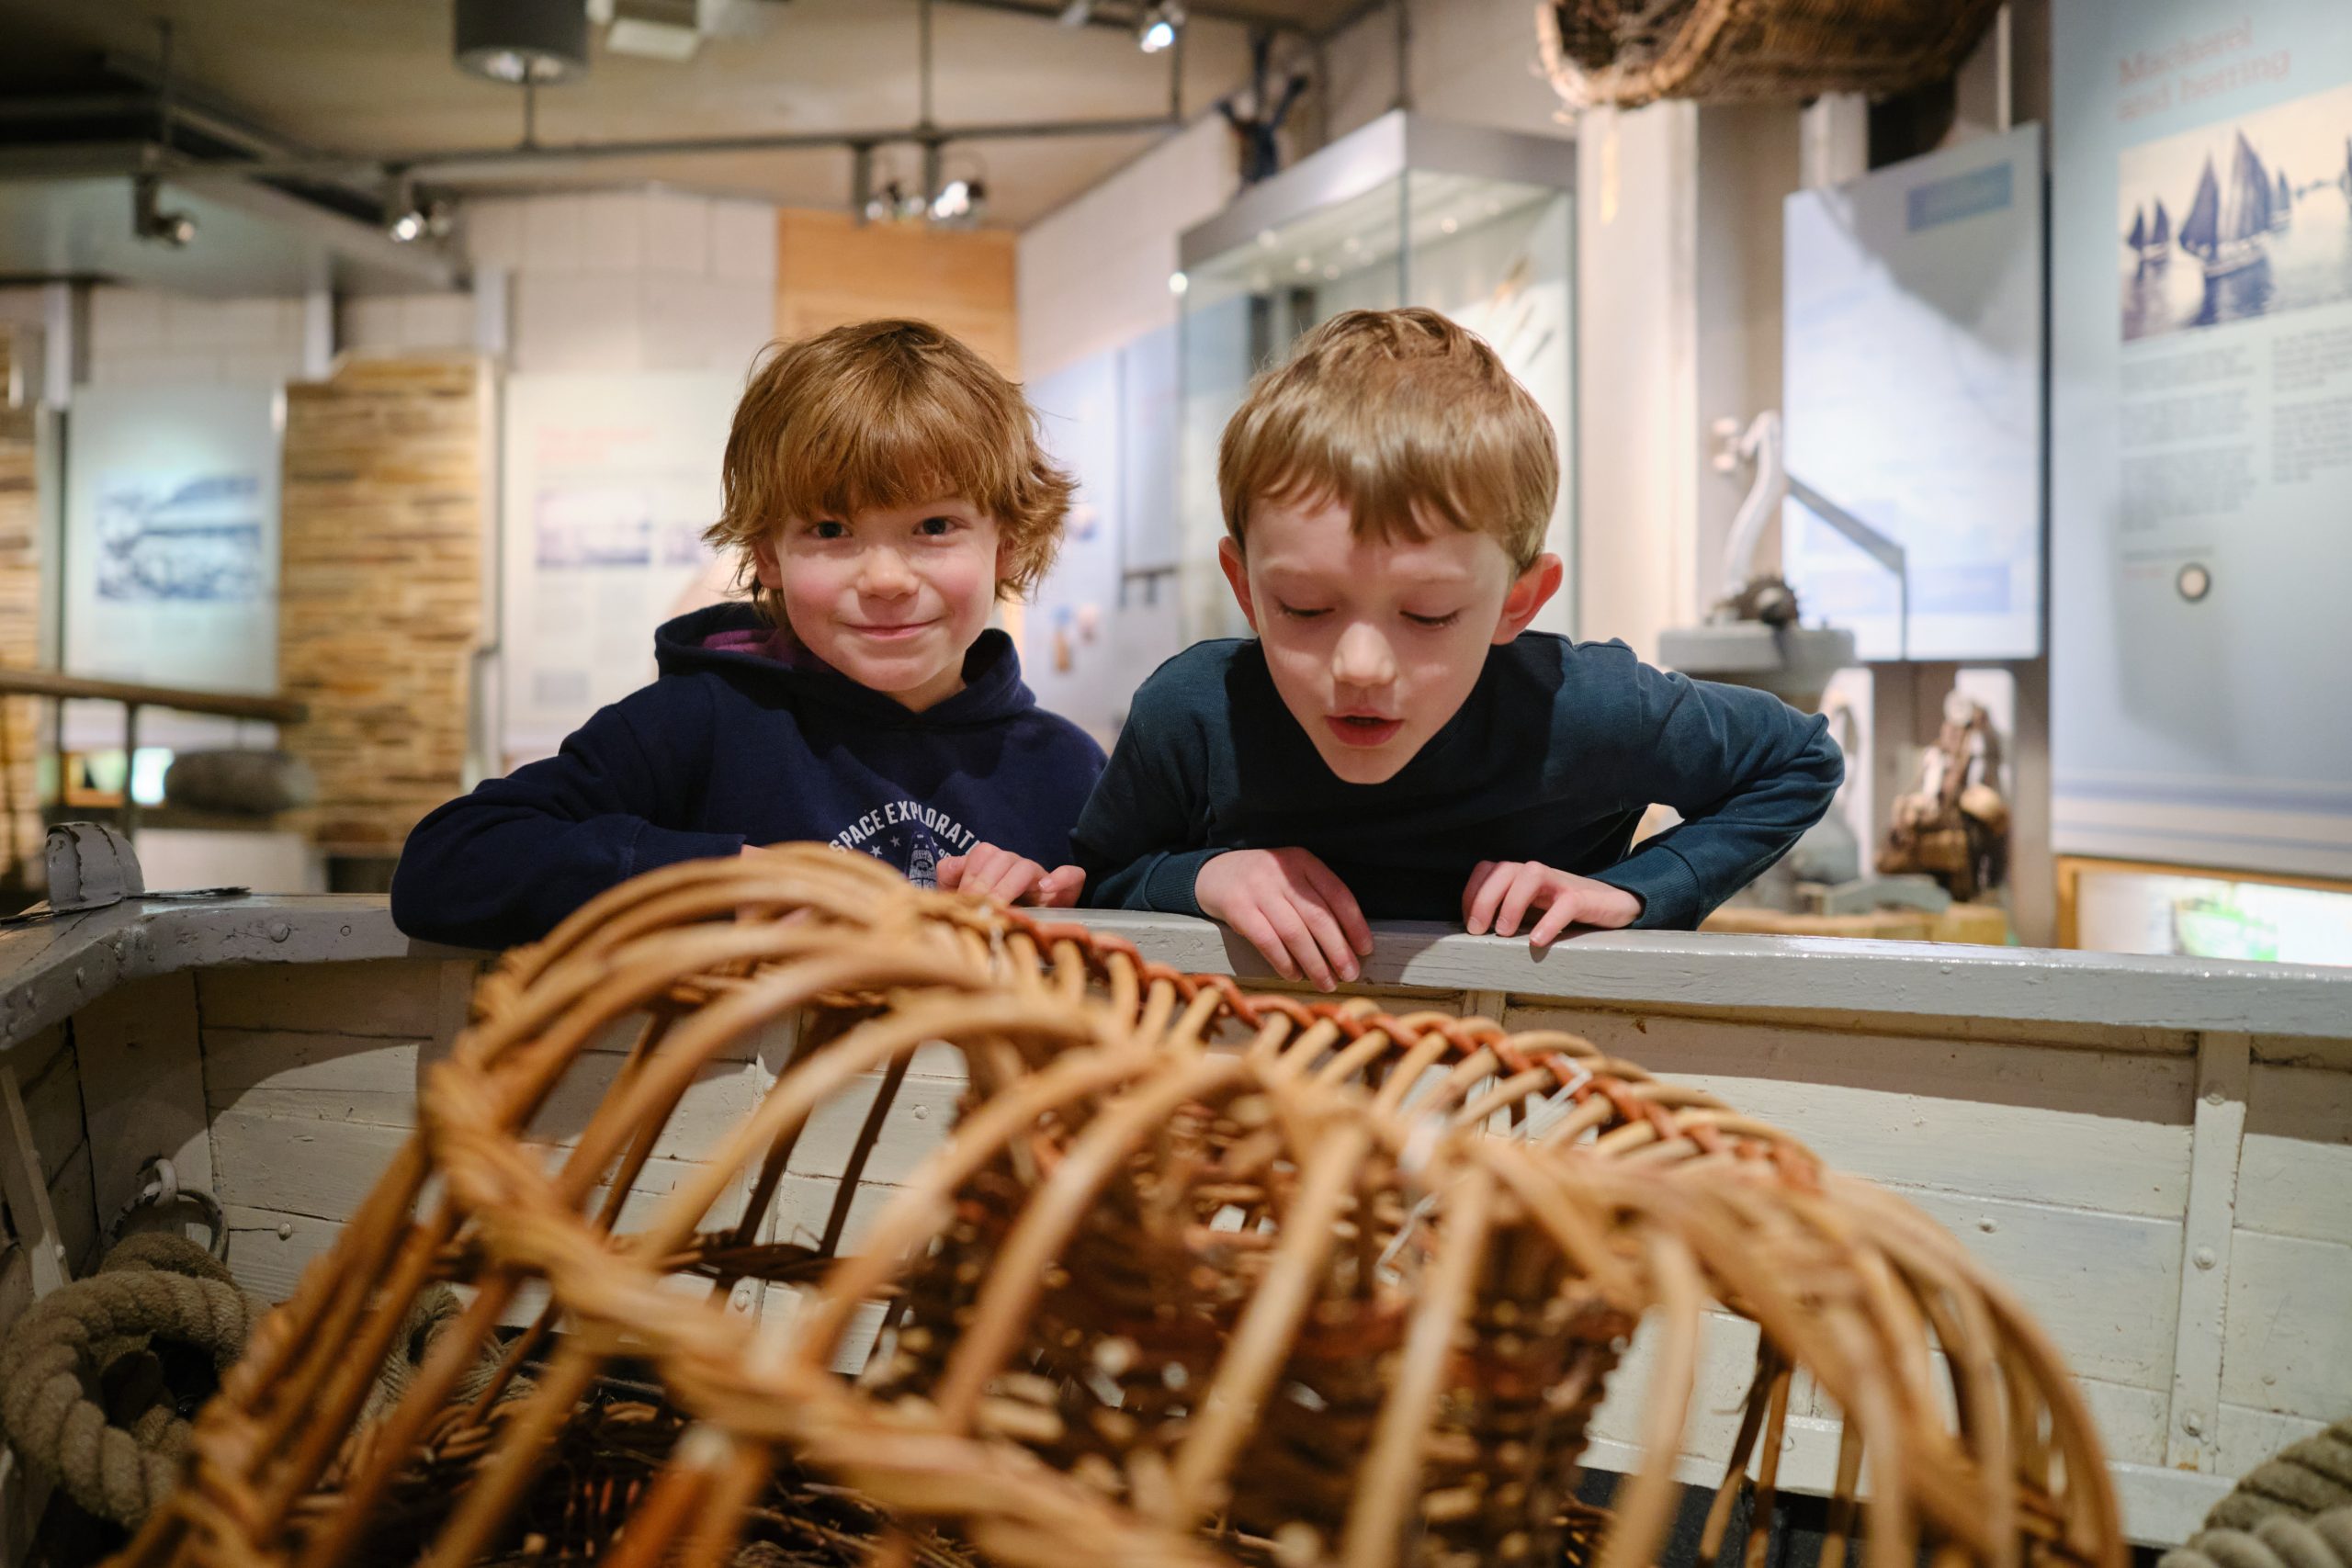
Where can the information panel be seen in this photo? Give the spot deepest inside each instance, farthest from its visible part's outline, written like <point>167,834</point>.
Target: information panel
<point>171,551</point>
<point>1912,389</point>
<point>2201,547</point>
<point>610,481</point>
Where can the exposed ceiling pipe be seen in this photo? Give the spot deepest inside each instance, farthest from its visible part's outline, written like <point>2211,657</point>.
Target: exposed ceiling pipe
<point>478,159</point>
<point>192,106</point>
<point>278,158</point>
<point>1121,18</point>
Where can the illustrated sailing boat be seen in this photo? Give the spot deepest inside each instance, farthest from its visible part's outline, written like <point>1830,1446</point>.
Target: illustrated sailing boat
<point>2224,228</point>
<point>2151,243</point>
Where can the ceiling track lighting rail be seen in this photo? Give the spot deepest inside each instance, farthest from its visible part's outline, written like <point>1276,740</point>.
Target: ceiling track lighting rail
<point>476,159</point>
<point>381,188</point>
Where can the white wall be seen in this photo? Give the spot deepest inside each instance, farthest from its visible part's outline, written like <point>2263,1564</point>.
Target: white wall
<point>141,336</point>
<point>605,281</point>
<point>1093,274</point>
<point>397,323</point>
<point>145,335</point>
<point>1470,61</point>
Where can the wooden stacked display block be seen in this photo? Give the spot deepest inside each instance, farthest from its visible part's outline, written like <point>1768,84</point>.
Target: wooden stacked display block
<point>20,823</point>
<point>380,592</point>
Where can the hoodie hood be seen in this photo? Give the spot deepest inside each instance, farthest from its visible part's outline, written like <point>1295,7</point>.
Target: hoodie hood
<point>738,642</point>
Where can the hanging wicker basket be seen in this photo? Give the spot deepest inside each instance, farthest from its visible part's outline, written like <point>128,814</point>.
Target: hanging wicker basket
<point>1623,53</point>
<point>1196,1277</point>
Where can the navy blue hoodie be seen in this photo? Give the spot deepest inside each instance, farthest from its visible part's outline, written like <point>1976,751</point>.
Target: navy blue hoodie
<point>730,746</point>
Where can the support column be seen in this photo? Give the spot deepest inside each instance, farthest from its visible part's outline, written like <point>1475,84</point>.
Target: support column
<point>1637,379</point>
<point>318,333</point>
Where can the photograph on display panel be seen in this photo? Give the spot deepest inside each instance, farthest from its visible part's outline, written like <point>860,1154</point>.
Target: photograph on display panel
<point>2246,217</point>
<point>197,538</point>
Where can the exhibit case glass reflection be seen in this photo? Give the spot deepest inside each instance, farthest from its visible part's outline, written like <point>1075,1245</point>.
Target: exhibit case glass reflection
<point>1475,222</point>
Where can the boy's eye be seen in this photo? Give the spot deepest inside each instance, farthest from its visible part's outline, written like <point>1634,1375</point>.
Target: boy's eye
<point>1433,622</point>
<point>826,528</point>
<point>939,528</point>
<point>1298,614</point>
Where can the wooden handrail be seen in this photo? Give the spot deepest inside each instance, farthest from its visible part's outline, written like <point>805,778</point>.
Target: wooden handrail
<point>228,705</point>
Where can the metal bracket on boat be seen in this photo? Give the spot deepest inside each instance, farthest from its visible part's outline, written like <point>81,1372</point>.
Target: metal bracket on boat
<point>159,1188</point>
<point>92,866</point>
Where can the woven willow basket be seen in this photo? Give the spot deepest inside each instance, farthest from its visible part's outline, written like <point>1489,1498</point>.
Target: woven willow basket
<point>1628,52</point>
<point>1198,1277</point>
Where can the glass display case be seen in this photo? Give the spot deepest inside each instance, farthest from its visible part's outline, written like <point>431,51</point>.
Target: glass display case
<point>1476,224</point>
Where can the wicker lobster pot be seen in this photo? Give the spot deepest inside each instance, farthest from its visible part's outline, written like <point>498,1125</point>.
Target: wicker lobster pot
<point>1198,1277</point>
<point>1629,52</point>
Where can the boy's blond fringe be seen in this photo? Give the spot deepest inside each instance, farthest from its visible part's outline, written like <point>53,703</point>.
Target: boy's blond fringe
<point>1406,419</point>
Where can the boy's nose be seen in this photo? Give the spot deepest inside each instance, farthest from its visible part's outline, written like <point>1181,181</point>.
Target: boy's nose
<point>1363,658</point>
<point>883,572</point>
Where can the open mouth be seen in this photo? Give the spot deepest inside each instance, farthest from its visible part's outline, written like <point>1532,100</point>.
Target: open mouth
<point>1365,728</point>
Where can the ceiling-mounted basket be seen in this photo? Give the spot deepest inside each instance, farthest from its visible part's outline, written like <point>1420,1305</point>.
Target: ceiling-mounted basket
<point>1623,53</point>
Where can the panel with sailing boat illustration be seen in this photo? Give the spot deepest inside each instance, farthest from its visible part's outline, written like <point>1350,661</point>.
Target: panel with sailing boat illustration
<point>2239,185</point>
<point>2202,433</point>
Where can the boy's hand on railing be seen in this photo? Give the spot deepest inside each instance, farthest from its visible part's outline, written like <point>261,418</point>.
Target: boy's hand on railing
<point>1292,909</point>
<point>1500,892</point>
<point>989,871</point>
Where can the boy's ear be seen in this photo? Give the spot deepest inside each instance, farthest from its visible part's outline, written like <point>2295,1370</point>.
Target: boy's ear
<point>1237,572</point>
<point>1530,594</point>
<point>765,567</point>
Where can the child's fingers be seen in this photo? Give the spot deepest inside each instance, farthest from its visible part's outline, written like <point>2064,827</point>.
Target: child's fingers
<point>1531,879</point>
<point>1490,893</point>
<point>1059,889</point>
<point>950,873</point>
<point>1472,888</point>
<point>1323,924</point>
<point>1252,924</point>
<point>1013,877</point>
<point>1291,926</point>
<point>1557,919</point>
<point>1353,927</point>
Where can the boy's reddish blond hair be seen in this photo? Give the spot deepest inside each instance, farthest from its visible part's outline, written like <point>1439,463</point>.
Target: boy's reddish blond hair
<point>1403,418</point>
<point>880,414</point>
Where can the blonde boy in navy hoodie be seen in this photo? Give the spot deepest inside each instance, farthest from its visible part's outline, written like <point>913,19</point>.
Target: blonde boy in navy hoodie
<point>883,487</point>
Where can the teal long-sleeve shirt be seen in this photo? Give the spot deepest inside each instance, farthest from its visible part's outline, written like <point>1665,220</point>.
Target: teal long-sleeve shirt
<point>1553,757</point>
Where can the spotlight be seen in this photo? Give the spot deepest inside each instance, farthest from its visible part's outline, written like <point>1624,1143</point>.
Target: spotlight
<point>407,221</point>
<point>1157,27</point>
<point>149,221</point>
<point>515,41</point>
<point>895,202</point>
<point>960,201</point>
<point>403,220</point>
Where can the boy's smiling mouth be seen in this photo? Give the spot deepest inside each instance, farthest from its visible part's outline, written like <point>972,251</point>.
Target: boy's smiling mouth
<point>891,633</point>
<point>1363,728</point>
